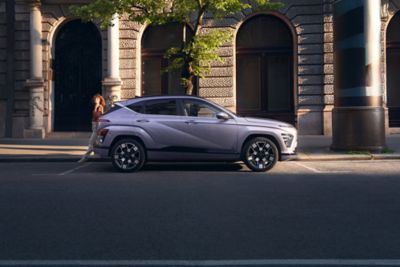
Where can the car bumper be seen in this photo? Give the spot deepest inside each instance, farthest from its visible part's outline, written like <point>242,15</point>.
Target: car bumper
<point>289,157</point>
<point>101,151</point>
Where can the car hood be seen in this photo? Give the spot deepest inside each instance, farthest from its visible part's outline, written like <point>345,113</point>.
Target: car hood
<point>262,122</point>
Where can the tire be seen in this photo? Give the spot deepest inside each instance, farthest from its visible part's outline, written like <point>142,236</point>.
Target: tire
<point>128,155</point>
<point>260,154</point>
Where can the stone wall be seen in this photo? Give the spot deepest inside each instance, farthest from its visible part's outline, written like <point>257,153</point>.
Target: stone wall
<point>305,17</point>
<point>328,67</point>
<point>129,69</point>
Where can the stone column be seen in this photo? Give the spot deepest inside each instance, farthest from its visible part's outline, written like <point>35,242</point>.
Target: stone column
<point>35,82</point>
<point>112,82</point>
<point>358,114</point>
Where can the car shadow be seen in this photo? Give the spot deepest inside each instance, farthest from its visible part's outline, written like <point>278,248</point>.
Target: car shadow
<point>203,167</point>
<point>187,167</point>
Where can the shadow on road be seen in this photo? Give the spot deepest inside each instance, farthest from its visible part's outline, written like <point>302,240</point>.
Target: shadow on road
<point>189,167</point>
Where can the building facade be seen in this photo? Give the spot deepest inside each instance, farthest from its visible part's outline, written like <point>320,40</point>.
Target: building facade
<point>279,64</point>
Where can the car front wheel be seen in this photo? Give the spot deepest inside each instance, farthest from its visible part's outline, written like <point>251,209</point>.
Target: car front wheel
<point>260,154</point>
<point>128,155</point>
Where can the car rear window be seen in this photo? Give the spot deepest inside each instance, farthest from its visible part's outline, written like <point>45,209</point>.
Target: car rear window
<point>161,107</point>
<point>112,109</point>
<point>137,107</point>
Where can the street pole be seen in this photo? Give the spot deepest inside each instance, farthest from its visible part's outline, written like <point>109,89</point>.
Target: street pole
<point>358,115</point>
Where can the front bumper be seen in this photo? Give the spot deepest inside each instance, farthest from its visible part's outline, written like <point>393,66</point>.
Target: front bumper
<point>288,157</point>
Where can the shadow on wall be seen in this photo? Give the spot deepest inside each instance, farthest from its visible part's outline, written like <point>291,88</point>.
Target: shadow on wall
<point>3,114</point>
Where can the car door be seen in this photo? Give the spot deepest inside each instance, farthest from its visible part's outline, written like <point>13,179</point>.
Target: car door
<point>208,133</point>
<point>160,119</point>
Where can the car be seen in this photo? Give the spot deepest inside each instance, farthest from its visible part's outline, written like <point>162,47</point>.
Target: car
<point>189,128</point>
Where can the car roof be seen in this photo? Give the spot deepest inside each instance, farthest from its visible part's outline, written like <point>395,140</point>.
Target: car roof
<point>159,97</point>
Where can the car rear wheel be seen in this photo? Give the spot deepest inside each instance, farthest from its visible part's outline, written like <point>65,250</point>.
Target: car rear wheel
<point>260,154</point>
<point>128,155</point>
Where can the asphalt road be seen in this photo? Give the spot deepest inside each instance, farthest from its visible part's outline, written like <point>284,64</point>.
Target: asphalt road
<point>324,213</point>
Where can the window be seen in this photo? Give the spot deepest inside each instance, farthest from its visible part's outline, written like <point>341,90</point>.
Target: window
<point>265,69</point>
<point>137,107</point>
<point>161,107</point>
<point>199,109</point>
<point>112,109</point>
<point>155,42</point>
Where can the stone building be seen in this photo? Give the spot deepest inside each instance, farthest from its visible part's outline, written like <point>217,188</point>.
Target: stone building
<point>51,63</point>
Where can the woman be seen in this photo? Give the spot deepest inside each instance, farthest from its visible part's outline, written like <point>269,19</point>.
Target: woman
<point>98,110</point>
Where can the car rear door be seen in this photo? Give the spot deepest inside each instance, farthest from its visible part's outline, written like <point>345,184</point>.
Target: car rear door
<point>160,119</point>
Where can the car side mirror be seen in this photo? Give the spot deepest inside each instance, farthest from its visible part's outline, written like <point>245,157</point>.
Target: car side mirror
<point>223,116</point>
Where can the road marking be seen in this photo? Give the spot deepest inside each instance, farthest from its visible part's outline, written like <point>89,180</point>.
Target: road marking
<point>73,169</point>
<point>318,171</point>
<point>256,262</point>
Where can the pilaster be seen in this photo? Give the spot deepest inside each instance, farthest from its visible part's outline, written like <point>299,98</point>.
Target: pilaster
<point>35,83</point>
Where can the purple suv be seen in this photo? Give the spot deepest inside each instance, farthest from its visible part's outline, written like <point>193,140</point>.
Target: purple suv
<point>186,128</point>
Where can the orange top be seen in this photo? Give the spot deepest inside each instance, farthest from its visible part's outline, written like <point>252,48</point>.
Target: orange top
<point>96,114</point>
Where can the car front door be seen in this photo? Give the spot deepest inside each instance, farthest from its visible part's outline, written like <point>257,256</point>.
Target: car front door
<point>208,133</point>
<point>160,119</point>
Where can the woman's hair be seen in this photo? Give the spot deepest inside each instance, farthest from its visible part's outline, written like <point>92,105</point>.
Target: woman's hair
<point>102,101</point>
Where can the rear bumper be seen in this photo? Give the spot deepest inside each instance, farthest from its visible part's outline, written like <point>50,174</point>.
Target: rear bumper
<point>101,151</point>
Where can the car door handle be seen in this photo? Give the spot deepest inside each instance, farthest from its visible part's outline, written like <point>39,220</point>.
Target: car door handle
<point>142,121</point>
<point>191,122</point>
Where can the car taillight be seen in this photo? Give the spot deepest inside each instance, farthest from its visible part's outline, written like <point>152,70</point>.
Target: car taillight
<point>101,134</point>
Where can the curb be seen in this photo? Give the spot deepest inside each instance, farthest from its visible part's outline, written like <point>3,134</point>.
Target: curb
<point>341,157</point>
<point>48,159</point>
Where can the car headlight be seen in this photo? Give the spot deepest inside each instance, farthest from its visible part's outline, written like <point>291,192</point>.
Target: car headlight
<point>287,139</point>
<point>288,134</point>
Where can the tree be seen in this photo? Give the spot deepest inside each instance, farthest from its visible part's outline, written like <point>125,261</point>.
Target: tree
<point>196,54</point>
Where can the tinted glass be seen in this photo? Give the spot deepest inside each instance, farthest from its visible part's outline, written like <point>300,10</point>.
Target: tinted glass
<point>151,76</point>
<point>199,109</point>
<point>162,107</point>
<point>112,109</point>
<point>137,107</point>
<point>249,82</point>
<point>162,37</point>
<point>264,32</point>
<point>155,42</point>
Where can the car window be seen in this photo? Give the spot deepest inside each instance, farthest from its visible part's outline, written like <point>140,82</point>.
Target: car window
<point>161,107</point>
<point>137,107</point>
<point>112,109</point>
<point>194,108</point>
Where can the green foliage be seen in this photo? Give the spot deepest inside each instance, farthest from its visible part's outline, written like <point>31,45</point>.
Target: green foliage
<point>196,54</point>
<point>199,52</point>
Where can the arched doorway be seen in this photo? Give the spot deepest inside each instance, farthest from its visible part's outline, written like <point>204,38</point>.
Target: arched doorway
<point>156,41</point>
<point>393,70</point>
<point>264,69</point>
<point>77,75</point>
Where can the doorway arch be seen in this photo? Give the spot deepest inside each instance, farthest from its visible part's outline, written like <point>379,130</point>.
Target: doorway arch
<point>264,69</point>
<point>77,77</point>
<point>156,40</point>
<point>393,70</point>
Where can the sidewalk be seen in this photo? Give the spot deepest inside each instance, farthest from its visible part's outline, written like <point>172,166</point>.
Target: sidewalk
<point>70,148</point>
